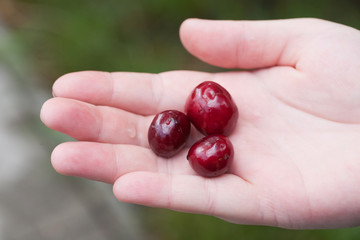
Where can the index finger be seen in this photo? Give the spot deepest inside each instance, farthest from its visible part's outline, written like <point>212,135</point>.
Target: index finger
<point>140,93</point>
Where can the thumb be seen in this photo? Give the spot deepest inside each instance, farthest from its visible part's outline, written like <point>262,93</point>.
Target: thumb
<point>248,44</point>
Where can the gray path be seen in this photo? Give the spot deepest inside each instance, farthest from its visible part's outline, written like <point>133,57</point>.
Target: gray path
<point>35,202</point>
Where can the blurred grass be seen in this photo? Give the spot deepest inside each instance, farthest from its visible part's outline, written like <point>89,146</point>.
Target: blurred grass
<point>135,35</point>
<point>62,36</point>
<point>169,225</point>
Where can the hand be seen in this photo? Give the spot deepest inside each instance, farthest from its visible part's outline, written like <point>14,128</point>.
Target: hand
<point>297,154</point>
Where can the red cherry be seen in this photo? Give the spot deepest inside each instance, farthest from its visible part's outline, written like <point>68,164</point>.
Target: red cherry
<point>211,156</point>
<point>168,133</point>
<point>211,109</point>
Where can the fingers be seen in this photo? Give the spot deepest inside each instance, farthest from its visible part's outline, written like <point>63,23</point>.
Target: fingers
<point>140,93</point>
<point>227,196</point>
<point>248,44</point>
<point>134,92</point>
<point>87,122</point>
<point>142,178</point>
<point>107,162</point>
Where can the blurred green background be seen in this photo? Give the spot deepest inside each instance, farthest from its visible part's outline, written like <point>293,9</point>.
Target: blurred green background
<point>60,36</point>
<point>137,35</point>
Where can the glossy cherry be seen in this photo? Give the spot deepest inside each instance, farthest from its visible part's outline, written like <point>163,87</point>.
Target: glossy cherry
<point>211,156</point>
<point>168,133</point>
<point>211,109</point>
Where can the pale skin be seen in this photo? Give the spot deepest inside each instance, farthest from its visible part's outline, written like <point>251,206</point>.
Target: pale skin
<point>297,154</point>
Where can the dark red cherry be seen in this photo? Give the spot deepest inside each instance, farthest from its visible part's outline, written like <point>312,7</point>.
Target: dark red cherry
<point>168,133</point>
<point>211,156</point>
<point>211,109</point>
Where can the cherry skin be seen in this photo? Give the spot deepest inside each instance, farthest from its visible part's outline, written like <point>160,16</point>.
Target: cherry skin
<point>211,109</point>
<point>168,133</point>
<point>211,156</point>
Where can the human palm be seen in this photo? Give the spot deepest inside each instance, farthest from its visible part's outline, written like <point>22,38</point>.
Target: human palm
<point>296,158</point>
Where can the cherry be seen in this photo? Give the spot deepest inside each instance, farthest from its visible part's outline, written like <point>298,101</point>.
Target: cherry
<point>211,156</point>
<point>211,109</point>
<point>168,133</point>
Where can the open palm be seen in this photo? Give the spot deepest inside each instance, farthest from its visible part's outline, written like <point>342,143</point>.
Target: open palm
<point>297,159</point>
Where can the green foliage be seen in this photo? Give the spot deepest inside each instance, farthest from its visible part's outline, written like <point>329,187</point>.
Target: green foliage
<point>169,225</point>
<point>142,36</point>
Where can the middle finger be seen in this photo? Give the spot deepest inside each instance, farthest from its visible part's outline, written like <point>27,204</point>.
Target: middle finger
<point>87,122</point>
